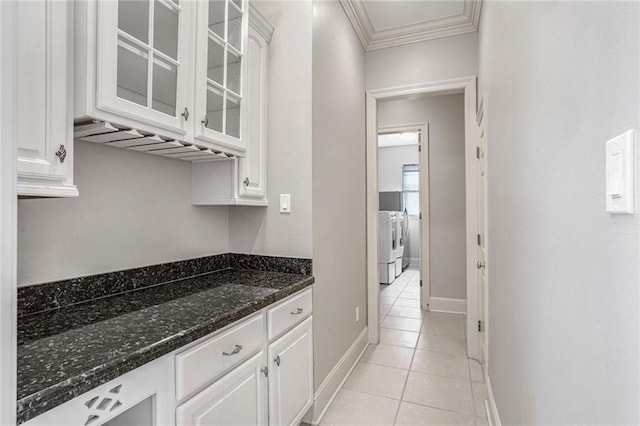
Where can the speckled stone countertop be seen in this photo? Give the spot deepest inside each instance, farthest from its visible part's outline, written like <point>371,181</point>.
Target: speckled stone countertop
<point>75,347</point>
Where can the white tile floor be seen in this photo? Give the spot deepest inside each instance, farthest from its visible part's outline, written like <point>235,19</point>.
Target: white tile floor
<point>419,373</point>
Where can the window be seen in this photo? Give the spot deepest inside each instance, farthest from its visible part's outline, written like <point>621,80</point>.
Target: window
<point>411,188</point>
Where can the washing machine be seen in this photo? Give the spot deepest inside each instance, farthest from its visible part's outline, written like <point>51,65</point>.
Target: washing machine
<point>387,245</point>
<point>401,225</point>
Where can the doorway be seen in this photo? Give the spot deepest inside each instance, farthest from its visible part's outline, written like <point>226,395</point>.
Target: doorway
<point>402,185</point>
<point>467,87</point>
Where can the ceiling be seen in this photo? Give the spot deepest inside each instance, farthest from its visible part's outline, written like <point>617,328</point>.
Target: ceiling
<point>388,23</point>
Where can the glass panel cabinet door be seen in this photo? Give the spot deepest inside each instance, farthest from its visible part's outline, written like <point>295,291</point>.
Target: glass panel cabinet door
<point>144,65</point>
<point>222,27</point>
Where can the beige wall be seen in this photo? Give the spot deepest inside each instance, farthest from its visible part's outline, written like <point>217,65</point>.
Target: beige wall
<point>134,210</point>
<point>564,322</point>
<point>447,254</point>
<point>265,230</point>
<point>427,61</point>
<point>339,216</point>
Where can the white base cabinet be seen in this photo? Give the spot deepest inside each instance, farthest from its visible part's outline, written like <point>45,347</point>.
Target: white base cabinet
<point>274,386</point>
<point>45,99</point>
<point>291,378</point>
<point>239,398</point>
<point>142,397</point>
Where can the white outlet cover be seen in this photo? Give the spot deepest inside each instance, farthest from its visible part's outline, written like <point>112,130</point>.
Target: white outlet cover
<point>619,172</point>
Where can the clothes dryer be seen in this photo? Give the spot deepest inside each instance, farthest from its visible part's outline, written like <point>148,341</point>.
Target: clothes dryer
<point>387,246</point>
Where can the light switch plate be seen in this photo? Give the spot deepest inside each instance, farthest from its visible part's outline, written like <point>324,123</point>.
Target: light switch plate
<point>619,185</point>
<point>285,203</point>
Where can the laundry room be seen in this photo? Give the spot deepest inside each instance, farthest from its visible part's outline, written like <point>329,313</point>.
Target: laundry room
<point>421,184</point>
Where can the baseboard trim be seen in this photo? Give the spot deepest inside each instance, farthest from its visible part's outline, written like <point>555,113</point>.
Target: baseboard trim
<point>447,304</point>
<point>490,406</point>
<point>414,262</point>
<point>329,388</point>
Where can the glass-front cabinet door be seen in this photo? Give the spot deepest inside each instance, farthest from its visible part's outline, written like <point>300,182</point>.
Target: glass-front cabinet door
<point>144,66</point>
<point>221,40</point>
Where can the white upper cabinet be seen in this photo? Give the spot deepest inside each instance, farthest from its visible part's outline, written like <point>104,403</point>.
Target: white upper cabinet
<point>171,69</point>
<point>252,173</point>
<point>134,65</point>
<point>44,92</point>
<point>240,181</point>
<point>220,63</point>
<point>144,62</point>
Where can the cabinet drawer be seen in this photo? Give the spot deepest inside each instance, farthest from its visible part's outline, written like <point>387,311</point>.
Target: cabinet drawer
<point>289,313</point>
<point>203,363</point>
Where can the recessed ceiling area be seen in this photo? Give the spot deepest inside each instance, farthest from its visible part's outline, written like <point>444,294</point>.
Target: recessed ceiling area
<point>385,15</point>
<point>388,23</point>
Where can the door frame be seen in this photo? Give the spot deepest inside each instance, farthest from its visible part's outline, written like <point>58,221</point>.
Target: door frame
<point>8,210</point>
<point>423,161</point>
<point>467,86</point>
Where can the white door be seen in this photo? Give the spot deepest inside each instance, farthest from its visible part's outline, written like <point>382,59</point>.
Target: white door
<point>145,62</point>
<point>251,169</point>
<point>424,217</point>
<point>239,398</point>
<point>482,226</point>
<point>291,376</point>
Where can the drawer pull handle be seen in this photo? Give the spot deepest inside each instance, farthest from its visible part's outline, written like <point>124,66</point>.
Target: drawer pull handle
<point>298,312</point>
<point>236,350</point>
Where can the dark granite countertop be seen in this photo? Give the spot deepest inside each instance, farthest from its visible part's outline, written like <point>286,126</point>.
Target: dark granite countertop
<point>65,352</point>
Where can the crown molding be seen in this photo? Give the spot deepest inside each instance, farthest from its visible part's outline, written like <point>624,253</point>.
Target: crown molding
<point>259,23</point>
<point>466,22</point>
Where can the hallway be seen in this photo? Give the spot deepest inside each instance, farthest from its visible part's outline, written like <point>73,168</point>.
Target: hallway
<point>419,373</point>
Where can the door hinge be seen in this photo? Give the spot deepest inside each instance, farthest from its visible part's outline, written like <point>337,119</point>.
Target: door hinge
<point>420,283</point>
<point>419,148</point>
<point>265,371</point>
<point>479,239</point>
<point>420,215</point>
<point>478,152</point>
<point>480,327</point>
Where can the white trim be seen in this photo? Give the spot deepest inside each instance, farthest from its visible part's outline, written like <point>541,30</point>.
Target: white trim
<point>424,224</point>
<point>490,406</point>
<point>448,304</point>
<point>467,86</point>
<point>329,388</point>
<point>373,271</point>
<point>8,210</point>
<point>372,39</point>
<point>260,23</point>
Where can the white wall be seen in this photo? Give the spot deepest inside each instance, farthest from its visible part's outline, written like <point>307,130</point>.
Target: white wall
<point>447,254</point>
<point>134,210</point>
<point>339,186</point>
<point>427,61</point>
<point>563,274</point>
<point>265,230</point>
<point>390,162</point>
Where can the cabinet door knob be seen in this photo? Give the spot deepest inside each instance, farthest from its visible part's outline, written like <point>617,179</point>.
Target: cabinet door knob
<point>61,153</point>
<point>246,181</point>
<point>277,360</point>
<point>480,265</point>
<point>236,350</point>
<point>185,114</point>
<point>205,121</point>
